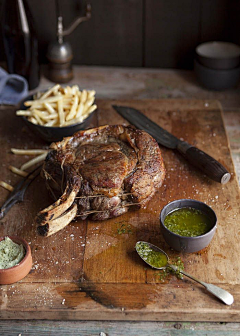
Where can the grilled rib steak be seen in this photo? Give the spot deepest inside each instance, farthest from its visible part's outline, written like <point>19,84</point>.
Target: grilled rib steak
<point>99,173</point>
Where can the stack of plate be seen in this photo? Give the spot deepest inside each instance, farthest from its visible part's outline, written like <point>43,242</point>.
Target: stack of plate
<point>217,65</point>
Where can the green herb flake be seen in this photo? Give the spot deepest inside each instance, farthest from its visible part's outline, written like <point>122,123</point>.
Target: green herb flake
<point>124,229</point>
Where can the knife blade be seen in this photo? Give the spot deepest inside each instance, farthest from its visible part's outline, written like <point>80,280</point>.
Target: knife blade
<point>207,164</point>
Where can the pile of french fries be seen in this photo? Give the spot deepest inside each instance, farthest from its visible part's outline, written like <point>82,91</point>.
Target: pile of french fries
<point>59,107</point>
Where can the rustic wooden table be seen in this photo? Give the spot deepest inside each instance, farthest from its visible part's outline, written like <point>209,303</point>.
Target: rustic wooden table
<point>116,83</point>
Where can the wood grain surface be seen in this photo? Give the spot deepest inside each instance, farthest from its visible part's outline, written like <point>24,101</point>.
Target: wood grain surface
<point>89,271</point>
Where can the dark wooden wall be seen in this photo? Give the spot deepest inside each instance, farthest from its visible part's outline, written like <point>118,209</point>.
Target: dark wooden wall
<point>138,33</point>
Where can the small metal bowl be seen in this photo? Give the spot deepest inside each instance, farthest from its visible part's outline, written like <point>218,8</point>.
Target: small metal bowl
<point>52,134</point>
<point>188,244</point>
<point>218,55</point>
<point>18,272</point>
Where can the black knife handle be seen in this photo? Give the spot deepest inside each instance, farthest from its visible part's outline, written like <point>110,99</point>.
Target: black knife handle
<point>207,164</point>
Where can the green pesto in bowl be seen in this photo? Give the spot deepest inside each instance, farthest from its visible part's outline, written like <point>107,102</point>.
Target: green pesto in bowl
<point>188,222</point>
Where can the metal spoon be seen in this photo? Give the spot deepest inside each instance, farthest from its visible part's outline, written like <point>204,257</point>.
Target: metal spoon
<point>220,293</point>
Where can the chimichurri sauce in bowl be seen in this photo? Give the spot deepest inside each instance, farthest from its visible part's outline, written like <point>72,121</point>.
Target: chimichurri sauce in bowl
<point>188,222</point>
<point>188,225</point>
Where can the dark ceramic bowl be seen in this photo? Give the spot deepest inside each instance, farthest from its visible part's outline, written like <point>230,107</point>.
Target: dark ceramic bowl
<point>18,272</point>
<point>218,55</point>
<point>52,134</point>
<point>188,244</point>
<point>216,79</point>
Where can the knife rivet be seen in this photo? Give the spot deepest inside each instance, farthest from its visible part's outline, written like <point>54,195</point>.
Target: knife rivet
<point>225,178</point>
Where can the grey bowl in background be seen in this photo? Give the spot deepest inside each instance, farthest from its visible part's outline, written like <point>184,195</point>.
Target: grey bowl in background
<point>188,244</point>
<point>216,79</point>
<point>52,134</point>
<point>218,55</point>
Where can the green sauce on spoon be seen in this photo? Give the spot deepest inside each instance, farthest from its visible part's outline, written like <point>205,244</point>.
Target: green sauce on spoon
<point>153,258</point>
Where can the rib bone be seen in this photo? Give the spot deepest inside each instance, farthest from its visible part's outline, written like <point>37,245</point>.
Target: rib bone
<point>60,206</point>
<point>59,223</point>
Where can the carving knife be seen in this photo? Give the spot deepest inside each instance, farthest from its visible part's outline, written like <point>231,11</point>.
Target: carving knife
<point>207,164</point>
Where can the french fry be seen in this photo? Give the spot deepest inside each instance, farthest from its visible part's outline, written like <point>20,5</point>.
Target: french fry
<point>33,120</point>
<point>80,110</point>
<point>49,107</point>
<point>72,122</point>
<point>17,171</point>
<point>24,113</point>
<point>51,123</point>
<point>39,101</point>
<point>53,116</point>
<point>6,186</point>
<point>91,94</point>
<point>73,110</point>
<point>40,113</point>
<point>28,151</point>
<point>61,113</point>
<point>83,96</point>
<point>47,94</point>
<point>89,101</point>
<point>87,104</point>
<point>33,161</point>
<point>91,109</point>
<point>75,89</point>
<point>35,115</point>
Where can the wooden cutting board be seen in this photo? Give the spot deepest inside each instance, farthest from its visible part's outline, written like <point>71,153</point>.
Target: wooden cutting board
<point>90,270</point>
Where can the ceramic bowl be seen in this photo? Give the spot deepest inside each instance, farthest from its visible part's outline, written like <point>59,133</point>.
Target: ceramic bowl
<point>18,272</point>
<point>188,244</point>
<point>218,55</point>
<point>216,79</point>
<point>52,134</point>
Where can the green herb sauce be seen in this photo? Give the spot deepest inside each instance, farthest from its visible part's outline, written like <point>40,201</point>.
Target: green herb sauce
<point>153,258</point>
<point>166,272</point>
<point>188,222</point>
<point>10,253</point>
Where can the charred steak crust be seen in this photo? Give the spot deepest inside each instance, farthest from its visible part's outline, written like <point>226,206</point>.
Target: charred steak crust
<point>98,173</point>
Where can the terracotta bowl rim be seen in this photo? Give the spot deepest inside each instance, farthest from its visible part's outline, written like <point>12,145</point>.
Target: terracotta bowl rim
<point>17,239</point>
